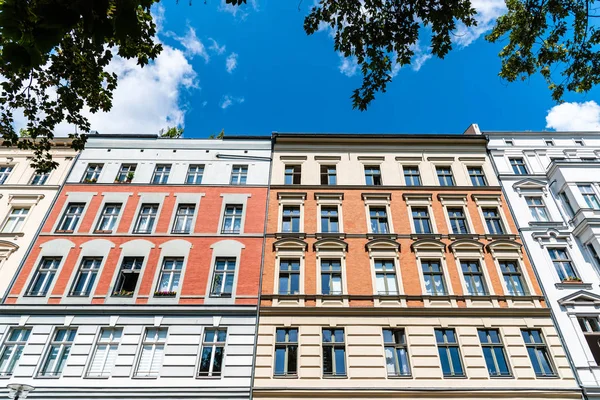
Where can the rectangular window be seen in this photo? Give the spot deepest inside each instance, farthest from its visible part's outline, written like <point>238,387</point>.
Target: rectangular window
<point>593,253</point>
<point>86,276</point>
<point>161,174</point>
<point>591,330</point>
<point>567,203</point>
<point>290,221</point>
<point>513,278</point>
<point>289,276</point>
<point>213,352</point>
<point>239,175</point>
<point>474,280</point>
<point>184,218</point>
<point>563,265</point>
<point>412,177</point>
<point>286,351</point>
<point>331,277</point>
<point>549,143</point>
<point>433,275</point>
<point>106,352</point>
<point>5,173</point>
<point>129,274</point>
<point>421,220</point>
<point>493,352</point>
<point>538,352</point>
<point>71,217</point>
<point>372,175</point>
<point>232,220</point>
<point>58,352</point>
<point>493,221</point>
<point>477,176</point>
<point>329,219</point>
<point>587,191</point>
<point>509,142</point>
<point>15,342</point>
<point>195,174</point>
<point>385,277</point>
<point>518,166</point>
<point>15,221</point>
<point>170,275</point>
<point>537,208</point>
<point>223,277</point>
<point>126,173</point>
<point>396,353</point>
<point>92,173</point>
<point>334,352</point>
<point>328,175</point>
<point>379,221</point>
<point>108,218</point>
<point>444,175</point>
<point>42,280</point>
<point>146,218</point>
<point>579,142</point>
<point>449,352</point>
<point>458,221</point>
<point>293,174</point>
<point>153,351</point>
<point>39,178</point>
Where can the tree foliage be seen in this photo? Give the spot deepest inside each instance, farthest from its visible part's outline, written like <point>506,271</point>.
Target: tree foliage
<point>173,132</point>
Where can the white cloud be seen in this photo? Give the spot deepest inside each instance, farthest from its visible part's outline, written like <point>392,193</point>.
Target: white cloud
<point>487,13</point>
<point>574,117</point>
<point>215,47</point>
<point>240,11</point>
<point>228,101</point>
<point>193,46</point>
<point>231,62</point>
<point>348,65</point>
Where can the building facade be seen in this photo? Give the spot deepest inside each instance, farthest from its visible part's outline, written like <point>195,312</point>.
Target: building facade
<point>25,199</point>
<point>550,182</point>
<point>393,269</point>
<point>143,282</point>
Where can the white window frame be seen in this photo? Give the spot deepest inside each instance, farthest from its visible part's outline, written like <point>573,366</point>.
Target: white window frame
<point>291,199</point>
<point>420,201</point>
<point>289,249</point>
<point>16,218</point>
<point>62,344</point>
<point>433,250</point>
<point>154,343</point>
<point>213,345</point>
<point>329,250</point>
<point>329,200</point>
<point>16,354</point>
<point>108,343</point>
<point>378,200</point>
<point>492,201</point>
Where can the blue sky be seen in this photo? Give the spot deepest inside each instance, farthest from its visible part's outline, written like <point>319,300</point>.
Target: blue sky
<point>280,79</point>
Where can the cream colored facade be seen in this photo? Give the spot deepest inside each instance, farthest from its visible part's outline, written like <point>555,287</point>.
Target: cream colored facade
<point>21,189</point>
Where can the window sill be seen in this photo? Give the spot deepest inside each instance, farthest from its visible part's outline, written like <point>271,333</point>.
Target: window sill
<point>63,232</point>
<point>573,285</point>
<point>335,376</point>
<point>96,377</point>
<point>98,232</point>
<point>214,378</point>
<point>417,236</point>
<point>337,235</point>
<point>409,376</point>
<point>300,235</point>
<point>12,234</point>
<point>48,376</point>
<point>144,377</point>
<point>391,236</point>
<point>285,376</point>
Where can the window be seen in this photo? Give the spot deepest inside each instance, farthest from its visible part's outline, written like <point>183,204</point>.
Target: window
<point>293,174</point>
<point>449,352</point>
<point>71,217</point>
<point>291,219</point>
<point>396,354</point>
<point>126,173</point>
<point>232,220</point>
<point>474,280</point>
<point>379,221</point>
<point>328,175</point>
<point>537,208</point>
<point>549,143</point>
<point>445,176</point>
<point>223,277</point>
<point>493,221</point>
<point>593,253</point>
<point>194,174</point>
<point>579,142</point>
<point>4,173</point>
<point>153,351</point>
<point>509,142</point>
<point>129,274</point>
<point>518,166</point>
<point>239,174</point>
<point>538,352</point>
<point>493,352</point>
<point>564,266</point>
<point>109,217</point>
<point>411,175</point>
<point>477,176</point>
<point>15,221</point>
<point>567,203</point>
<point>58,352</point>
<point>589,196</point>
<point>433,277</point>
<point>42,280</point>
<point>421,220</point>
<point>15,342</point>
<point>331,277</point>
<point>39,178</point>
<point>92,173</point>
<point>329,219</point>
<point>513,279</point>
<point>385,277</point>
<point>184,218</point>
<point>170,275</point>
<point>289,276</point>
<point>458,221</point>
<point>286,351</point>
<point>213,351</point>
<point>334,352</point>
<point>372,175</point>
<point>591,330</point>
<point>106,352</point>
<point>146,218</point>
<point>86,276</point>
<point>161,174</point>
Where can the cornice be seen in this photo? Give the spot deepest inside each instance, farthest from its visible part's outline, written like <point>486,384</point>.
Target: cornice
<point>120,309</point>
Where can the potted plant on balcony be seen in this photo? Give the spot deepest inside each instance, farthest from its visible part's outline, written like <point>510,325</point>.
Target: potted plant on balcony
<point>164,293</point>
<point>93,180</point>
<point>572,279</point>
<point>129,177</point>
<point>124,293</point>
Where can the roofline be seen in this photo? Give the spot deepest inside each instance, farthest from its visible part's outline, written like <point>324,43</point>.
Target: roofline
<point>55,142</point>
<point>246,137</point>
<point>427,136</point>
<point>121,136</point>
<point>547,133</point>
